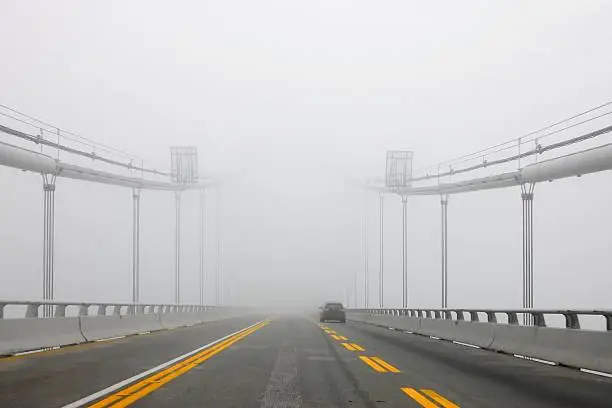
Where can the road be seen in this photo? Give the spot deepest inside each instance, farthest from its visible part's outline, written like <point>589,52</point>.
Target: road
<point>289,361</point>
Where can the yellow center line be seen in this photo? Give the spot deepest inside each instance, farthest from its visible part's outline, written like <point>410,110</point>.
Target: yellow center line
<point>335,337</point>
<point>343,338</point>
<point>135,392</point>
<point>159,377</point>
<point>373,364</point>
<point>357,347</point>
<point>330,332</point>
<point>152,385</point>
<point>386,365</point>
<point>349,347</point>
<point>418,397</point>
<point>156,377</point>
<point>439,399</point>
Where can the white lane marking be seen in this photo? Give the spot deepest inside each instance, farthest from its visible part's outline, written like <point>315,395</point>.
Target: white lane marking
<point>109,339</point>
<point>586,370</point>
<point>434,337</point>
<point>466,344</point>
<point>537,360</point>
<point>25,353</point>
<point>153,370</point>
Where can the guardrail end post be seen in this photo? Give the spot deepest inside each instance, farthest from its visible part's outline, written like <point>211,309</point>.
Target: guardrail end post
<point>32,310</point>
<point>571,320</point>
<point>84,310</point>
<point>491,317</point>
<point>608,317</point>
<point>60,310</point>
<point>538,319</point>
<point>512,318</point>
<point>102,310</point>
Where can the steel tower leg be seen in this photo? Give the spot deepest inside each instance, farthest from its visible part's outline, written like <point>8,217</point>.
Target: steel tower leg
<point>381,287</point>
<point>177,249</point>
<point>354,294</point>
<point>136,246</point>
<point>202,245</point>
<point>404,251</point>
<point>48,241</point>
<point>366,286</point>
<point>527,197</point>
<point>219,250</point>
<point>444,204</point>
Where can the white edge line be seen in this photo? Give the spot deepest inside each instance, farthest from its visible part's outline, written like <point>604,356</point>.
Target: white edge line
<point>537,360</point>
<point>466,344</point>
<point>40,350</point>
<point>130,380</point>
<point>109,339</point>
<point>595,372</point>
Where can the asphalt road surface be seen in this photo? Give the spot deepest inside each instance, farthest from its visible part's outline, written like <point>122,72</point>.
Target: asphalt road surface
<point>289,362</point>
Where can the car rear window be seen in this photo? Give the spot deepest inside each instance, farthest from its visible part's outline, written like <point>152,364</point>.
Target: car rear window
<point>334,306</point>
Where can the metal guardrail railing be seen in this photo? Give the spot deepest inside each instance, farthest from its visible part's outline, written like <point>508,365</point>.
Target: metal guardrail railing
<point>572,320</point>
<point>58,309</point>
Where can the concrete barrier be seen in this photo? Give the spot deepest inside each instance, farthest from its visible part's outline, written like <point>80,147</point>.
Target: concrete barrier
<point>218,314</point>
<point>397,322</point>
<point>18,335</point>
<point>103,327</point>
<point>176,319</point>
<point>32,332</point>
<point>570,347</point>
<point>476,333</point>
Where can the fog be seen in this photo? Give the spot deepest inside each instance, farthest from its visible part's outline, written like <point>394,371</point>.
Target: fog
<point>292,100</point>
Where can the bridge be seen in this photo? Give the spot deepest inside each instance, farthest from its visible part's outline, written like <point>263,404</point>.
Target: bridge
<point>98,353</point>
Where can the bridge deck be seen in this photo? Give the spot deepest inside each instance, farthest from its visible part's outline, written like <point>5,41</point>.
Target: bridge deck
<point>293,362</point>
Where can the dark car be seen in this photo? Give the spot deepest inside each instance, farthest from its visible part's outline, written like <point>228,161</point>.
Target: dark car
<point>332,311</point>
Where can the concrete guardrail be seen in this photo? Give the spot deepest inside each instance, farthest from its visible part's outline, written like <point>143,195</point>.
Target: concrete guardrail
<point>54,328</point>
<point>570,346</point>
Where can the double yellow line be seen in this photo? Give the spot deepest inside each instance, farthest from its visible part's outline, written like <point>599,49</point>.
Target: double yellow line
<point>379,365</point>
<point>425,397</point>
<point>421,398</point>
<point>352,347</point>
<point>133,393</point>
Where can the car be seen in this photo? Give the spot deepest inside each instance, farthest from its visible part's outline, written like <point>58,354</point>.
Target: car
<point>332,311</point>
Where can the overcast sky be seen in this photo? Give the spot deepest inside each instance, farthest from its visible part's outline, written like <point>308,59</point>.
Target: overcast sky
<point>299,96</point>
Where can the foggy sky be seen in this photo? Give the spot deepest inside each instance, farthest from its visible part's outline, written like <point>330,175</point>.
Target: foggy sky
<point>298,96</point>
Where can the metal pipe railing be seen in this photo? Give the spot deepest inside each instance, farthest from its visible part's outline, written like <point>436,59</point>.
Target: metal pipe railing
<point>572,317</point>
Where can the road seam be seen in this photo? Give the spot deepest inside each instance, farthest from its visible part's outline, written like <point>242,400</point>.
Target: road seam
<point>282,389</point>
